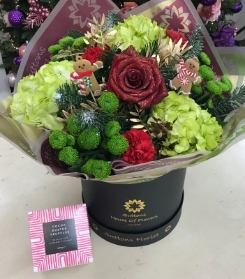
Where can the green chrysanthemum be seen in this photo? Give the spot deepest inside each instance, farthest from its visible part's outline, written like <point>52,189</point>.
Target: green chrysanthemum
<point>89,139</point>
<point>73,126</point>
<point>68,155</point>
<point>58,139</point>
<point>117,145</point>
<point>70,140</point>
<point>112,128</point>
<point>109,102</point>
<point>98,168</point>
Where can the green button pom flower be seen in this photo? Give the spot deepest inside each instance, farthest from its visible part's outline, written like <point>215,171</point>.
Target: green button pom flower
<point>193,129</point>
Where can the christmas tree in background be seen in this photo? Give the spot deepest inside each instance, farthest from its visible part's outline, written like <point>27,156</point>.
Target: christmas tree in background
<point>19,21</point>
<point>216,17</point>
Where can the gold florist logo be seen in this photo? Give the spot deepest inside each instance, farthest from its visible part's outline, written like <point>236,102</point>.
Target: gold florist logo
<point>134,206</point>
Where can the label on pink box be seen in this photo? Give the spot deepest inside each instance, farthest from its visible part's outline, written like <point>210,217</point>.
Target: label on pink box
<point>60,237</point>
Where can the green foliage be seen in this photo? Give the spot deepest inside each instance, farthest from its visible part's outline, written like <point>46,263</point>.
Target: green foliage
<point>109,102</point>
<point>224,105</point>
<point>227,5</point>
<point>67,97</point>
<point>68,155</point>
<point>89,139</point>
<point>99,118</point>
<point>196,41</point>
<point>98,168</point>
<point>58,139</point>
<point>113,19</point>
<point>107,57</point>
<point>118,145</point>
<point>112,128</point>
<point>75,34</point>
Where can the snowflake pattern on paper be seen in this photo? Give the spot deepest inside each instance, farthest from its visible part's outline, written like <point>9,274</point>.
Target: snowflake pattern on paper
<point>78,8</point>
<point>230,65</point>
<point>172,16</point>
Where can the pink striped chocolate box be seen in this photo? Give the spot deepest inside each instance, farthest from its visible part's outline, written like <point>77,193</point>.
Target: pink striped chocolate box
<point>60,237</point>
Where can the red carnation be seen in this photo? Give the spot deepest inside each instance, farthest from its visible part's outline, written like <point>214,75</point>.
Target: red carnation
<point>92,54</point>
<point>176,36</point>
<point>140,149</point>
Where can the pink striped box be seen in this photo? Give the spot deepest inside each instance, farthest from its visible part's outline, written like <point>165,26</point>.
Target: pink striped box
<point>60,237</point>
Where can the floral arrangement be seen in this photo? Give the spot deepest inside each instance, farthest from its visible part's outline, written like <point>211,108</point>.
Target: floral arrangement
<point>126,90</point>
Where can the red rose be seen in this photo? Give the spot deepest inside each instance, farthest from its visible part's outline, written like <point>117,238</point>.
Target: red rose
<point>136,79</point>
<point>176,36</point>
<point>92,54</point>
<point>140,147</point>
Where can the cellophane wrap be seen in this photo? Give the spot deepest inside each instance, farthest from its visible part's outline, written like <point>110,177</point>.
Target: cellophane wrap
<point>73,14</point>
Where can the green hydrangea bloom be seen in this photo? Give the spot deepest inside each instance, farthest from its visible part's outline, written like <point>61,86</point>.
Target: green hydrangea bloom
<point>89,139</point>
<point>58,139</point>
<point>73,126</point>
<point>193,129</point>
<point>117,145</point>
<point>98,168</point>
<point>137,31</point>
<point>68,155</point>
<point>70,140</point>
<point>109,102</point>
<point>34,102</point>
<point>206,73</point>
<point>112,128</point>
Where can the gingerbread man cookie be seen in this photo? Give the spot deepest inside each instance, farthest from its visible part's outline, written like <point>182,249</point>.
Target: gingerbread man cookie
<point>187,74</point>
<point>84,75</point>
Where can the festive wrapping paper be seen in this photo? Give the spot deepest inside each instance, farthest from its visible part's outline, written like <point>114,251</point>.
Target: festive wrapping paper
<point>180,15</point>
<point>67,15</point>
<point>233,59</point>
<point>175,14</point>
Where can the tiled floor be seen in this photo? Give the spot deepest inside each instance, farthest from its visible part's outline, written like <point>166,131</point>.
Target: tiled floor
<point>208,243</point>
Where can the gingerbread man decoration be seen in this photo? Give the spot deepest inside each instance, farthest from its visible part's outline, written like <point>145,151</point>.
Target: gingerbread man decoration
<point>84,75</point>
<point>187,74</point>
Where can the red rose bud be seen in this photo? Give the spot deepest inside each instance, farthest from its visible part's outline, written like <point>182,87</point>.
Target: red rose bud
<point>140,149</point>
<point>136,79</point>
<point>176,36</point>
